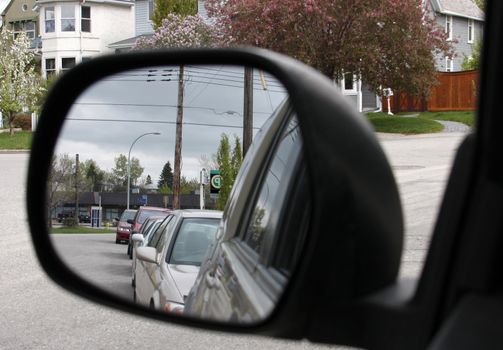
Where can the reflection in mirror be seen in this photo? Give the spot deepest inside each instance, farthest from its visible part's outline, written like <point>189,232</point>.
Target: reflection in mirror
<point>135,147</point>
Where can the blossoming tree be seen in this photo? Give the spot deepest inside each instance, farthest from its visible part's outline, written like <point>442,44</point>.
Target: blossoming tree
<point>19,83</point>
<point>389,43</point>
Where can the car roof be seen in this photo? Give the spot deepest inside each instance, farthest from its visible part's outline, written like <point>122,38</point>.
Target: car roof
<point>197,213</point>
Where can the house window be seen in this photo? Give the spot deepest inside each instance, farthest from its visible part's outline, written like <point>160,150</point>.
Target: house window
<point>85,21</point>
<point>67,18</point>
<point>448,27</point>
<point>27,27</point>
<point>49,19</point>
<point>449,64</point>
<point>50,67</point>
<point>67,63</point>
<point>349,82</point>
<point>150,9</point>
<point>471,27</point>
<point>86,58</point>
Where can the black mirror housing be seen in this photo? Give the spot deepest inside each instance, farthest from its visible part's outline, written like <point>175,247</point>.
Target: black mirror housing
<point>355,233</point>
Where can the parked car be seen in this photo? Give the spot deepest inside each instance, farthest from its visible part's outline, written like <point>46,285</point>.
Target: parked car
<point>142,238</point>
<point>142,214</point>
<point>167,266</point>
<point>123,226</point>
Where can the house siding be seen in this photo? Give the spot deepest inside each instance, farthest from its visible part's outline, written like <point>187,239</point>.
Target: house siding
<point>142,23</point>
<point>460,34</point>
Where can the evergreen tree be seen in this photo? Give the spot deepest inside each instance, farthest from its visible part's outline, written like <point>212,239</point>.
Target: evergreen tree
<point>166,178</point>
<point>162,8</point>
<point>226,171</point>
<point>148,181</point>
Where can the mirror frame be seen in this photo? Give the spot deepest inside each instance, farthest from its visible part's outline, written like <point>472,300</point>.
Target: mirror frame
<point>327,122</point>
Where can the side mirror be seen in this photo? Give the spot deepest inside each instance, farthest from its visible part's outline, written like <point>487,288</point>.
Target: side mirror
<point>147,254</point>
<point>130,221</point>
<point>312,226</point>
<point>138,238</point>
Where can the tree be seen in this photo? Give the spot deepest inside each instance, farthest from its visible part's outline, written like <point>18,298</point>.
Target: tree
<point>236,158</point>
<point>180,31</point>
<point>481,4</point>
<point>163,8</point>
<point>119,172</point>
<point>60,183</point>
<point>229,163</point>
<point>92,176</point>
<point>166,177</point>
<point>148,181</point>
<point>473,62</point>
<point>19,83</point>
<point>389,43</point>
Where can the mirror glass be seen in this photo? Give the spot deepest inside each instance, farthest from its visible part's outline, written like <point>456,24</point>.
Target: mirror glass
<point>137,145</point>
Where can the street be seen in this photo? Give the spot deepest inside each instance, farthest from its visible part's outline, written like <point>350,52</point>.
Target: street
<point>37,314</point>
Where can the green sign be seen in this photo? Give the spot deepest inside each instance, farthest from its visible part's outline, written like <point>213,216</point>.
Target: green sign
<point>215,181</point>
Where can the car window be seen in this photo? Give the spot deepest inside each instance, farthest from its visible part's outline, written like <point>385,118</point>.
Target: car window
<point>144,214</point>
<point>192,241</point>
<point>156,236</point>
<point>264,221</point>
<point>161,242</point>
<point>128,215</point>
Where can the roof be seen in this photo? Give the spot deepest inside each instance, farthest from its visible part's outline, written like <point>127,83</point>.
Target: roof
<point>127,43</point>
<point>109,2</point>
<point>196,213</point>
<point>460,8</point>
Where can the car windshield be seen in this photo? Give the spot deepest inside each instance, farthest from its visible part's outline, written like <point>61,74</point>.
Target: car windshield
<point>192,241</point>
<point>128,215</point>
<point>144,214</point>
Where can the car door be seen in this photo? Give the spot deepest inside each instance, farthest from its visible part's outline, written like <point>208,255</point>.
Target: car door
<point>146,272</point>
<point>249,269</point>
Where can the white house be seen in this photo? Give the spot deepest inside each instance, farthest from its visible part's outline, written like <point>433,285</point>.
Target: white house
<point>75,31</point>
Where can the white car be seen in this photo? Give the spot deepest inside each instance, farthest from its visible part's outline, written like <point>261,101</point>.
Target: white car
<point>166,268</point>
<point>141,239</point>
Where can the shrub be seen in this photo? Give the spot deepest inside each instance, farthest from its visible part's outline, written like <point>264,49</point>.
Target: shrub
<point>69,222</point>
<point>23,121</point>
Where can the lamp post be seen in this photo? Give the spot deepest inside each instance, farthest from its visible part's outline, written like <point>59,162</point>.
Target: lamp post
<point>129,163</point>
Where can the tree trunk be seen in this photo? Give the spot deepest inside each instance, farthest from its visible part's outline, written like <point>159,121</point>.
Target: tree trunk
<point>178,143</point>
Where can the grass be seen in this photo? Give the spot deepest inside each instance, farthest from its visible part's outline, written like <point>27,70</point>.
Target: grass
<point>465,117</point>
<point>20,140</point>
<point>80,229</point>
<point>383,122</point>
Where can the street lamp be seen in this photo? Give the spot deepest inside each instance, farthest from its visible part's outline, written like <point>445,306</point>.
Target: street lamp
<point>129,162</point>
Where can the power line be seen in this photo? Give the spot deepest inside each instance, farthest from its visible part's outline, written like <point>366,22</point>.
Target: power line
<point>156,122</point>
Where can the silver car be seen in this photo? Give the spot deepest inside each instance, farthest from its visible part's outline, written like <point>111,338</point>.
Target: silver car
<point>167,266</point>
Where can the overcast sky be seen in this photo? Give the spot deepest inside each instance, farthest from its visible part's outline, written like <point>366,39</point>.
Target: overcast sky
<point>110,115</point>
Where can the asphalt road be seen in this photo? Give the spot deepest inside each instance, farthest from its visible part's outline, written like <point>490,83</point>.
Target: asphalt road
<point>37,314</point>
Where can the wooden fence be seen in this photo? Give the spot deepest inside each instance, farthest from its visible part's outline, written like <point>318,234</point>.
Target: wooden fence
<point>456,91</point>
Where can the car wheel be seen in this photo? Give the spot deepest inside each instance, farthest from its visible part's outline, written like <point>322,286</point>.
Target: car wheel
<point>133,281</point>
<point>129,250</point>
<point>117,241</point>
<point>134,296</point>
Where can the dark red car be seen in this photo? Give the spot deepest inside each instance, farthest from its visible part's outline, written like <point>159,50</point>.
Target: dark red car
<point>123,227</point>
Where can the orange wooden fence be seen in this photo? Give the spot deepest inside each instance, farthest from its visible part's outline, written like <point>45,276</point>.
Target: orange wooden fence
<point>456,91</point>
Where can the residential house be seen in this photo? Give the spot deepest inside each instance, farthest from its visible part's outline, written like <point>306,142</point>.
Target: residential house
<point>75,31</point>
<point>19,17</point>
<point>463,21</point>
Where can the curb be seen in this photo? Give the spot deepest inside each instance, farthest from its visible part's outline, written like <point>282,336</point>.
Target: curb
<point>14,151</point>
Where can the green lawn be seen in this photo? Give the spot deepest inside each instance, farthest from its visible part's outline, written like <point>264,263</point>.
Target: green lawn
<point>80,229</point>
<point>383,122</point>
<point>20,140</point>
<point>465,117</point>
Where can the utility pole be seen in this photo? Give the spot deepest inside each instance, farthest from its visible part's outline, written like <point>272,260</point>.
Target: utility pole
<point>178,142</point>
<point>248,110</point>
<point>76,218</point>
